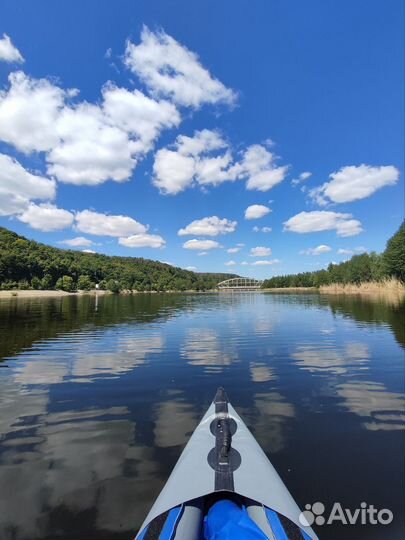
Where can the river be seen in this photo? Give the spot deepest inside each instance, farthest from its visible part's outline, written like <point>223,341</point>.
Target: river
<point>98,396</point>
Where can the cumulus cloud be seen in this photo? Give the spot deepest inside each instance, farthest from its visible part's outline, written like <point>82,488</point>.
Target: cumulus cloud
<point>142,240</point>
<point>357,250</point>
<point>204,245</point>
<point>230,263</point>
<point>258,167</point>
<point>206,159</point>
<point>91,222</point>
<point>79,241</point>
<point>191,268</point>
<point>90,150</point>
<point>260,251</point>
<point>139,115</point>
<point>256,211</point>
<point>319,250</point>
<point>234,249</point>
<point>353,183</point>
<point>8,51</point>
<point>321,220</point>
<point>46,217</point>
<point>88,251</point>
<point>29,112</point>
<point>189,162</point>
<point>209,226</point>
<point>85,143</point>
<point>18,187</point>
<point>301,178</point>
<point>169,69</point>
<point>265,262</point>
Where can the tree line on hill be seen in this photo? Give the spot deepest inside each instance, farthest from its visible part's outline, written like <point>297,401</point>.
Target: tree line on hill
<point>26,264</point>
<point>358,269</point>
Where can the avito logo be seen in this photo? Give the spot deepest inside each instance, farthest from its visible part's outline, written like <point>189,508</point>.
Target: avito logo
<point>365,515</point>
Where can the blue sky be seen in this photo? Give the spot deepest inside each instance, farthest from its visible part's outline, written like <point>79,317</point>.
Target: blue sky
<point>123,123</point>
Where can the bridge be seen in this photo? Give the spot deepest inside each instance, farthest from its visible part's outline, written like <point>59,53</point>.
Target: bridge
<point>240,284</point>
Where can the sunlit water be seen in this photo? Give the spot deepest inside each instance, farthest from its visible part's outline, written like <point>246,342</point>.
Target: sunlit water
<point>99,396</point>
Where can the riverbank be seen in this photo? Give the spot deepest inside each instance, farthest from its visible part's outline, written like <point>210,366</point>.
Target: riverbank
<point>27,293</point>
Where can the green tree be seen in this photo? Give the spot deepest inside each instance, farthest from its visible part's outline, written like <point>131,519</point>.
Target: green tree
<point>46,282</point>
<point>394,254</point>
<point>65,283</point>
<point>113,285</point>
<point>36,283</point>
<point>84,283</point>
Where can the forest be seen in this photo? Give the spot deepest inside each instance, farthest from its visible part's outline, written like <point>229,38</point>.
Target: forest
<point>26,264</point>
<point>359,269</point>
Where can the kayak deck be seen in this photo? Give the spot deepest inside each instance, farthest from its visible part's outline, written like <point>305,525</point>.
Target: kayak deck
<point>186,521</point>
<point>223,474</point>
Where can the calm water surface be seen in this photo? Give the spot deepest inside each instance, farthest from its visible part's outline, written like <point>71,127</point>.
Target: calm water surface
<point>99,395</point>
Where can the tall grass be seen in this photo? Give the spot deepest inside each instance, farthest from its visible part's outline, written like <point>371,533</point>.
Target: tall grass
<point>390,288</point>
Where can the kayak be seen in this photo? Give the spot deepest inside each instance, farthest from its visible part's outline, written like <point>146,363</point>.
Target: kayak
<point>224,486</point>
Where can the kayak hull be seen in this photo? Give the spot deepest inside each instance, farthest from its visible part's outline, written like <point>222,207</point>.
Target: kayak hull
<point>223,457</point>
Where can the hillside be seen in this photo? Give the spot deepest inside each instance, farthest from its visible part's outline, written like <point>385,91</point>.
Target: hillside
<point>359,269</point>
<point>28,264</point>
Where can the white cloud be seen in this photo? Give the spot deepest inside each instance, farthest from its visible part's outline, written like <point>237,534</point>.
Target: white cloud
<point>353,183</point>
<point>320,220</point>
<point>29,112</point>
<point>266,229</point>
<point>142,240</point>
<point>191,268</point>
<point>301,178</point>
<point>175,170</point>
<point>230,263</point>
<point>319,250</point>
<point>172,171</point>
<point>90,150</point>
<point>234,249</point>
<point>202,141</point>
<point>265,262</point>
<point>201,244</point>
<point>141,116</point>
<point>79,241</point>
<point>260,251</point>
<point>256,211</point>
<point>170,69</point>
<point>96,223</point>
<point>8,51</point>
<point>88,251</point>
<point>46,217</point>
<point>258,167</point>
<point>244,263</point>
<point>85,143</point>
<point>18,187</point>
<point>202,253</point>
<point>209,226</point>
<point>359,249</point>
<point>196,161</point>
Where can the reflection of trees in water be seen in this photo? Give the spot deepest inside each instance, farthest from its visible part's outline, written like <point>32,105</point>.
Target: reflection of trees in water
<point>371,310</point>
<point>26,321</point>
<point>362,308</point>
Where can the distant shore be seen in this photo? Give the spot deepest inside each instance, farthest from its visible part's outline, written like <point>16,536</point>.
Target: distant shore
<point>391,287</point>
<point>28,293</point>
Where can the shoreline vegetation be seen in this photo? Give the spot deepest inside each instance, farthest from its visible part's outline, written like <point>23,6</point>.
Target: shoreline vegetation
<point>387,288</point>
<point>28,268</point>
